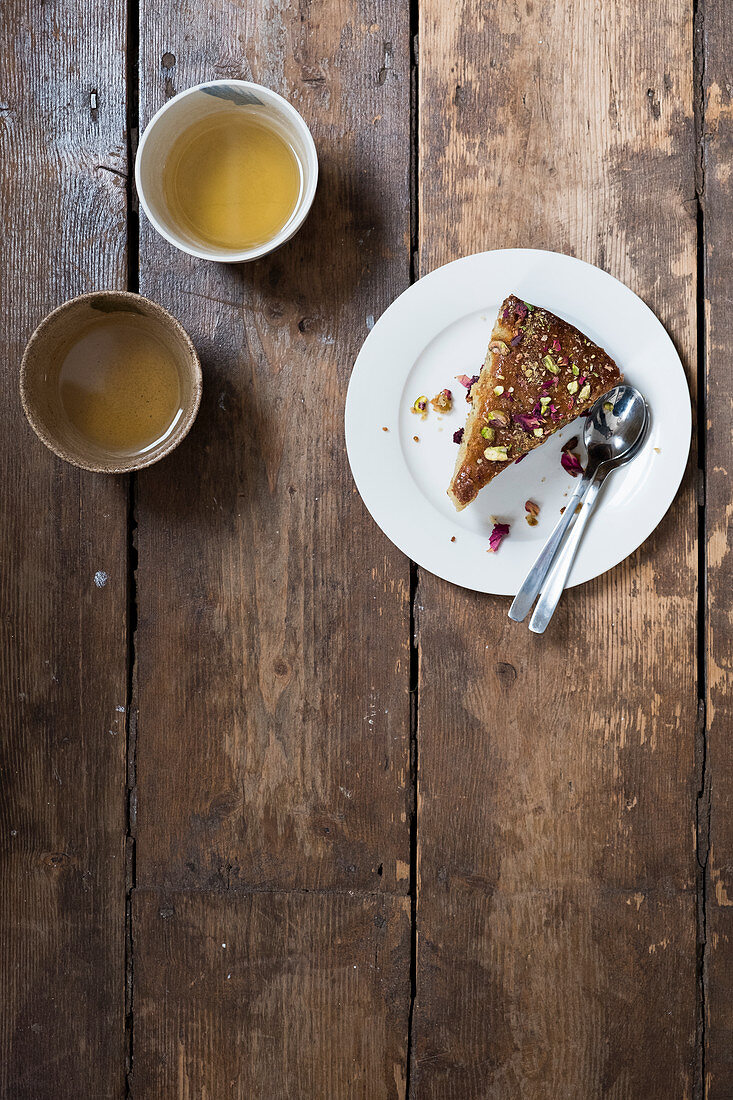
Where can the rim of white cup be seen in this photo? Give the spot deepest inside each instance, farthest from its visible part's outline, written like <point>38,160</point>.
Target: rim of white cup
<point>310,170</point>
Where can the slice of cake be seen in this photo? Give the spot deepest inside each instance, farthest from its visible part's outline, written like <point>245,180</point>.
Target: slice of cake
<point>540,373</point>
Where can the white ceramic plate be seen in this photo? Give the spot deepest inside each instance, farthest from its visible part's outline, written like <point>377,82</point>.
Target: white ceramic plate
<point>440,328</point>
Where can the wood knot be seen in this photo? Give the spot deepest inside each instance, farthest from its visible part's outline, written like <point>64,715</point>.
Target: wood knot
<point>654,105</point>
<point>55,859</point>
<point>168,60</point>
<point>507,674</point>
<point>282,668</point>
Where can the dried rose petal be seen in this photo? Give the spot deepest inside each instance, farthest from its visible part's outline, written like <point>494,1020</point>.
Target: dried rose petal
<point>515,340</point>
<point>571,463</point>
<point>526,422</point>
<point>516,460</point>
<point>498,420</point>
<point>464,380</point>
<point>563,361</point>
<point>555,345</point>
<point>521,311</point>
<point>571,444</point>
<point>458,436</point>
<point>554,414</point>
<point>531,507</point>
<point>497,536</point>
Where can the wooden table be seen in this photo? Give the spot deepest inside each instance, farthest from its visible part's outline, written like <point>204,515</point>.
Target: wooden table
<point>283,815</point>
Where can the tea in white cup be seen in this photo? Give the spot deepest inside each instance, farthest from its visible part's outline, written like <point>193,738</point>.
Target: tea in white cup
<point>227,170</point>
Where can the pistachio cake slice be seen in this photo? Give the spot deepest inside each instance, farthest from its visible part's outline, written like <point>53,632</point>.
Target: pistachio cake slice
<point>540,373</point>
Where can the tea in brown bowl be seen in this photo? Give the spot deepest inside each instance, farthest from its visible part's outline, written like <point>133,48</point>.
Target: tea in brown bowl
<point>110,382</point>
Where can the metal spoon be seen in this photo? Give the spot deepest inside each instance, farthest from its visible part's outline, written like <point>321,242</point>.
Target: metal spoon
<point>557,577</point>
<point>613,433</point>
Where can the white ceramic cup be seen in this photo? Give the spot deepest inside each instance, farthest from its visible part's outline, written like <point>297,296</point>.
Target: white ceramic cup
<point>188,108</point>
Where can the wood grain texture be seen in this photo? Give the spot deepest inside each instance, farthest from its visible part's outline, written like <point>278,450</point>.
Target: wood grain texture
<point>274,618</point>
<point>271,995</point>
<point>717,800</point>
<point>62,638</point>
<point>557,781</point>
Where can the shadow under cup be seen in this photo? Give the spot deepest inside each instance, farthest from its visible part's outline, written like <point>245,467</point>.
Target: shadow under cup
<point>223,98</point>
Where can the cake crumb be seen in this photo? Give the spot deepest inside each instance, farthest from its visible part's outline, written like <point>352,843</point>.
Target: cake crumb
<point>385,429</point>
<point>453,538</point>
<point>443,401</point>
<point>533,510</point>
<point>416,438</point>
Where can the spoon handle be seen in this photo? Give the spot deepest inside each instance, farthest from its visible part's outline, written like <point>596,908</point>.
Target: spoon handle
<point>534,580</point>
<point>558,574</point>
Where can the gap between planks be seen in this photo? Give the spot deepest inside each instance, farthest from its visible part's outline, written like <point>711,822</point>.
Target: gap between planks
<point>132,66</point>
<point>414,679</point>
<point>702,806</point>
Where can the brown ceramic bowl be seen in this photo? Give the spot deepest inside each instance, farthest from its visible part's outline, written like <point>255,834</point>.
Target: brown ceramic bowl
<point>50,342</point>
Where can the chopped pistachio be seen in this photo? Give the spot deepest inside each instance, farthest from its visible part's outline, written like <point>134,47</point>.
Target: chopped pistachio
<point>572,386</point>
<point>584,393</point>
<point>498,390</point>
<point>538,432</point>
<point>529,307</point>
<point>544,402</point>
<point>550,364</point>
<point>576,371</point>
<point>608,406</point>
<point>498,346</point>
<point>496,454</point>
<point>488,433</point>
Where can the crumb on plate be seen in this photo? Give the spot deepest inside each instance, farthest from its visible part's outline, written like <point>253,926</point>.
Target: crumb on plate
<point>443,401</point>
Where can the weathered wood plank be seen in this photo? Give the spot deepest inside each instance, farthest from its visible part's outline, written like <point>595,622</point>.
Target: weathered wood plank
<point>272,612</point>
<point>62,637</point>
<point>270,995</point>
<point>717,800</point>
<point>273,638</point>
<point>557,786</point>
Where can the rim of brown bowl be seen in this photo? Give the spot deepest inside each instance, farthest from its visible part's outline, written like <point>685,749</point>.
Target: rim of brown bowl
<point>117,464</point>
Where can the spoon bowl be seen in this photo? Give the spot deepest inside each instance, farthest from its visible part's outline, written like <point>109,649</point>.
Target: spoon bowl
<point>616,423</point>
